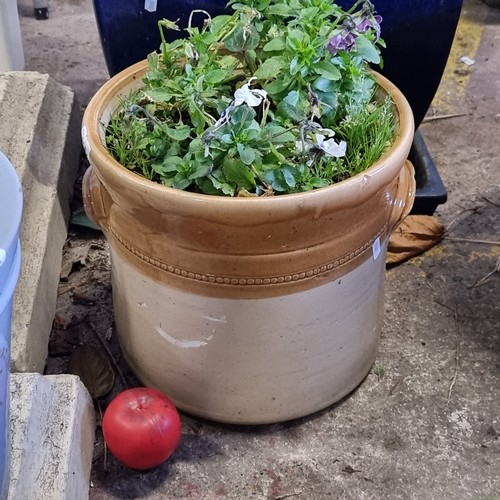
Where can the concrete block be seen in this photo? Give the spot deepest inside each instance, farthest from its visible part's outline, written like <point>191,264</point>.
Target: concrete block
<point>40,134</point>
<point>52,437</point>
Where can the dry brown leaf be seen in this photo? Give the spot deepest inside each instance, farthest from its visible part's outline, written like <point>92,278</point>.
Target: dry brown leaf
<point>415,235</point>
<point>94,369</point>
<point>72,256</point>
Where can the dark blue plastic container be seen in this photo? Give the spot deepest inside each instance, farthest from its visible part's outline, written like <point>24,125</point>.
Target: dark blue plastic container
<point>129,32</point>
<point>418,34</point>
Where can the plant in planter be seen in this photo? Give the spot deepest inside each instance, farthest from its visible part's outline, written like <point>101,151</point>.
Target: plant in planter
<point>248,254</point>
<point>258,103</point>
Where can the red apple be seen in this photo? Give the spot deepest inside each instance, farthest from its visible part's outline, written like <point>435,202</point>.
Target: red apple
<point>141,427</point>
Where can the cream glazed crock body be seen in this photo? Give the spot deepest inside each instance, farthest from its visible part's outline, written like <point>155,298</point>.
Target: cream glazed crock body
<point>247,310</point>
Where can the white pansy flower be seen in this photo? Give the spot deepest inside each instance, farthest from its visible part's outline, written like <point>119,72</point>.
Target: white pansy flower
<point>331,147</point>
<point>252,97</point>
<point>323,140</point>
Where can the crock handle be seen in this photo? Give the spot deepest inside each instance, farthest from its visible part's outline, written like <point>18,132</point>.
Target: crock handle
<point>405,196</point>
<point>95,196</point>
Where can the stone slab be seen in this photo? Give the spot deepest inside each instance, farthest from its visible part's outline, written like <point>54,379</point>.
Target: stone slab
<point>52,437</point>
<point>40,134</point>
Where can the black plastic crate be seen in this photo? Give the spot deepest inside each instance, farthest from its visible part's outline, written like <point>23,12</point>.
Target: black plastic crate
<point>430,188</point>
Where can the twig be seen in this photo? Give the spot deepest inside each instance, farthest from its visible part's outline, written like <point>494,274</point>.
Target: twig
<point>457,360</point>
<point>110,355</point>
<point>470,240</point>
<point>443,305</point>
<point>442,117</point>
<point>484,279</point>
<point>290,495</point>
<point>457,219</point>
<point>105,459</point>
<point>489,201</point>
<point>393,388</point>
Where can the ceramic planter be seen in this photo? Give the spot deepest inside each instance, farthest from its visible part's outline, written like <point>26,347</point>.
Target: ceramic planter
<point>247,310</point>
<point>10,263</point>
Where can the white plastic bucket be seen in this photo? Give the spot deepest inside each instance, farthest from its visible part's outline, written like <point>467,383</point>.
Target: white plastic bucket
<point>10,263</point>
<point>11,48</point>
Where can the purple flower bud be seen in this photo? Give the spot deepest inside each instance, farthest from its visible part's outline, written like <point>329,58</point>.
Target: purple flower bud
<point>369,22</point>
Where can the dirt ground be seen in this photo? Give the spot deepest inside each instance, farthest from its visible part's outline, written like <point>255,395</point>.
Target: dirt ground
<point>425,423</point>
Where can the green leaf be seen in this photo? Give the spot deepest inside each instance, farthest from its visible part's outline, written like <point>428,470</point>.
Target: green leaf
<point>327,70</point>
<point>278,134</point>
<point>196,116</point>
<point>226,138</point>
<point>283,10</point>
<point>181,181</point>
<point>217,22</point>
<point>325,85</point>
<point>206,186</point>
<point>169,165</point>
<point>309,13</point>
<point>216,76</point>
<point>328,103</point>
<point>252,131</point>
<point>275,178</point>
<point>367,50</point>
<point>288,176</point>
<point>236,171</point>
<point>295,66</point>
<point>159,94</point>
<point>279,85</point>
<point>247,155</point>
<point>159,147</point>
<point>153,59</point>
<point>275,44</point>
<point>158,168</point>
<point>173,86</point>
<point>174,149</point>
<point>179,133</point>
<point>270,68</point>
<point>250,58</point>
<point>143,143</point>
<point>200,83</point>
<point>242,117</point>
<point>228,62</point>
<point>277,154</point>
<point>200,170</point>
<point>294,106</point>
<point>296,37</point>
<point>243,38</point>
<point>220,185</point>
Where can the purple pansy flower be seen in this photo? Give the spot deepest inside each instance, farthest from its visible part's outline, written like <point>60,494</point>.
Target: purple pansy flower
<point>344,40</point>
<point>361,22</point>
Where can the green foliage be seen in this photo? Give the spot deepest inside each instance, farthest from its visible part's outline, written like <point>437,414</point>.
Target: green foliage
<point>275,98</point>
